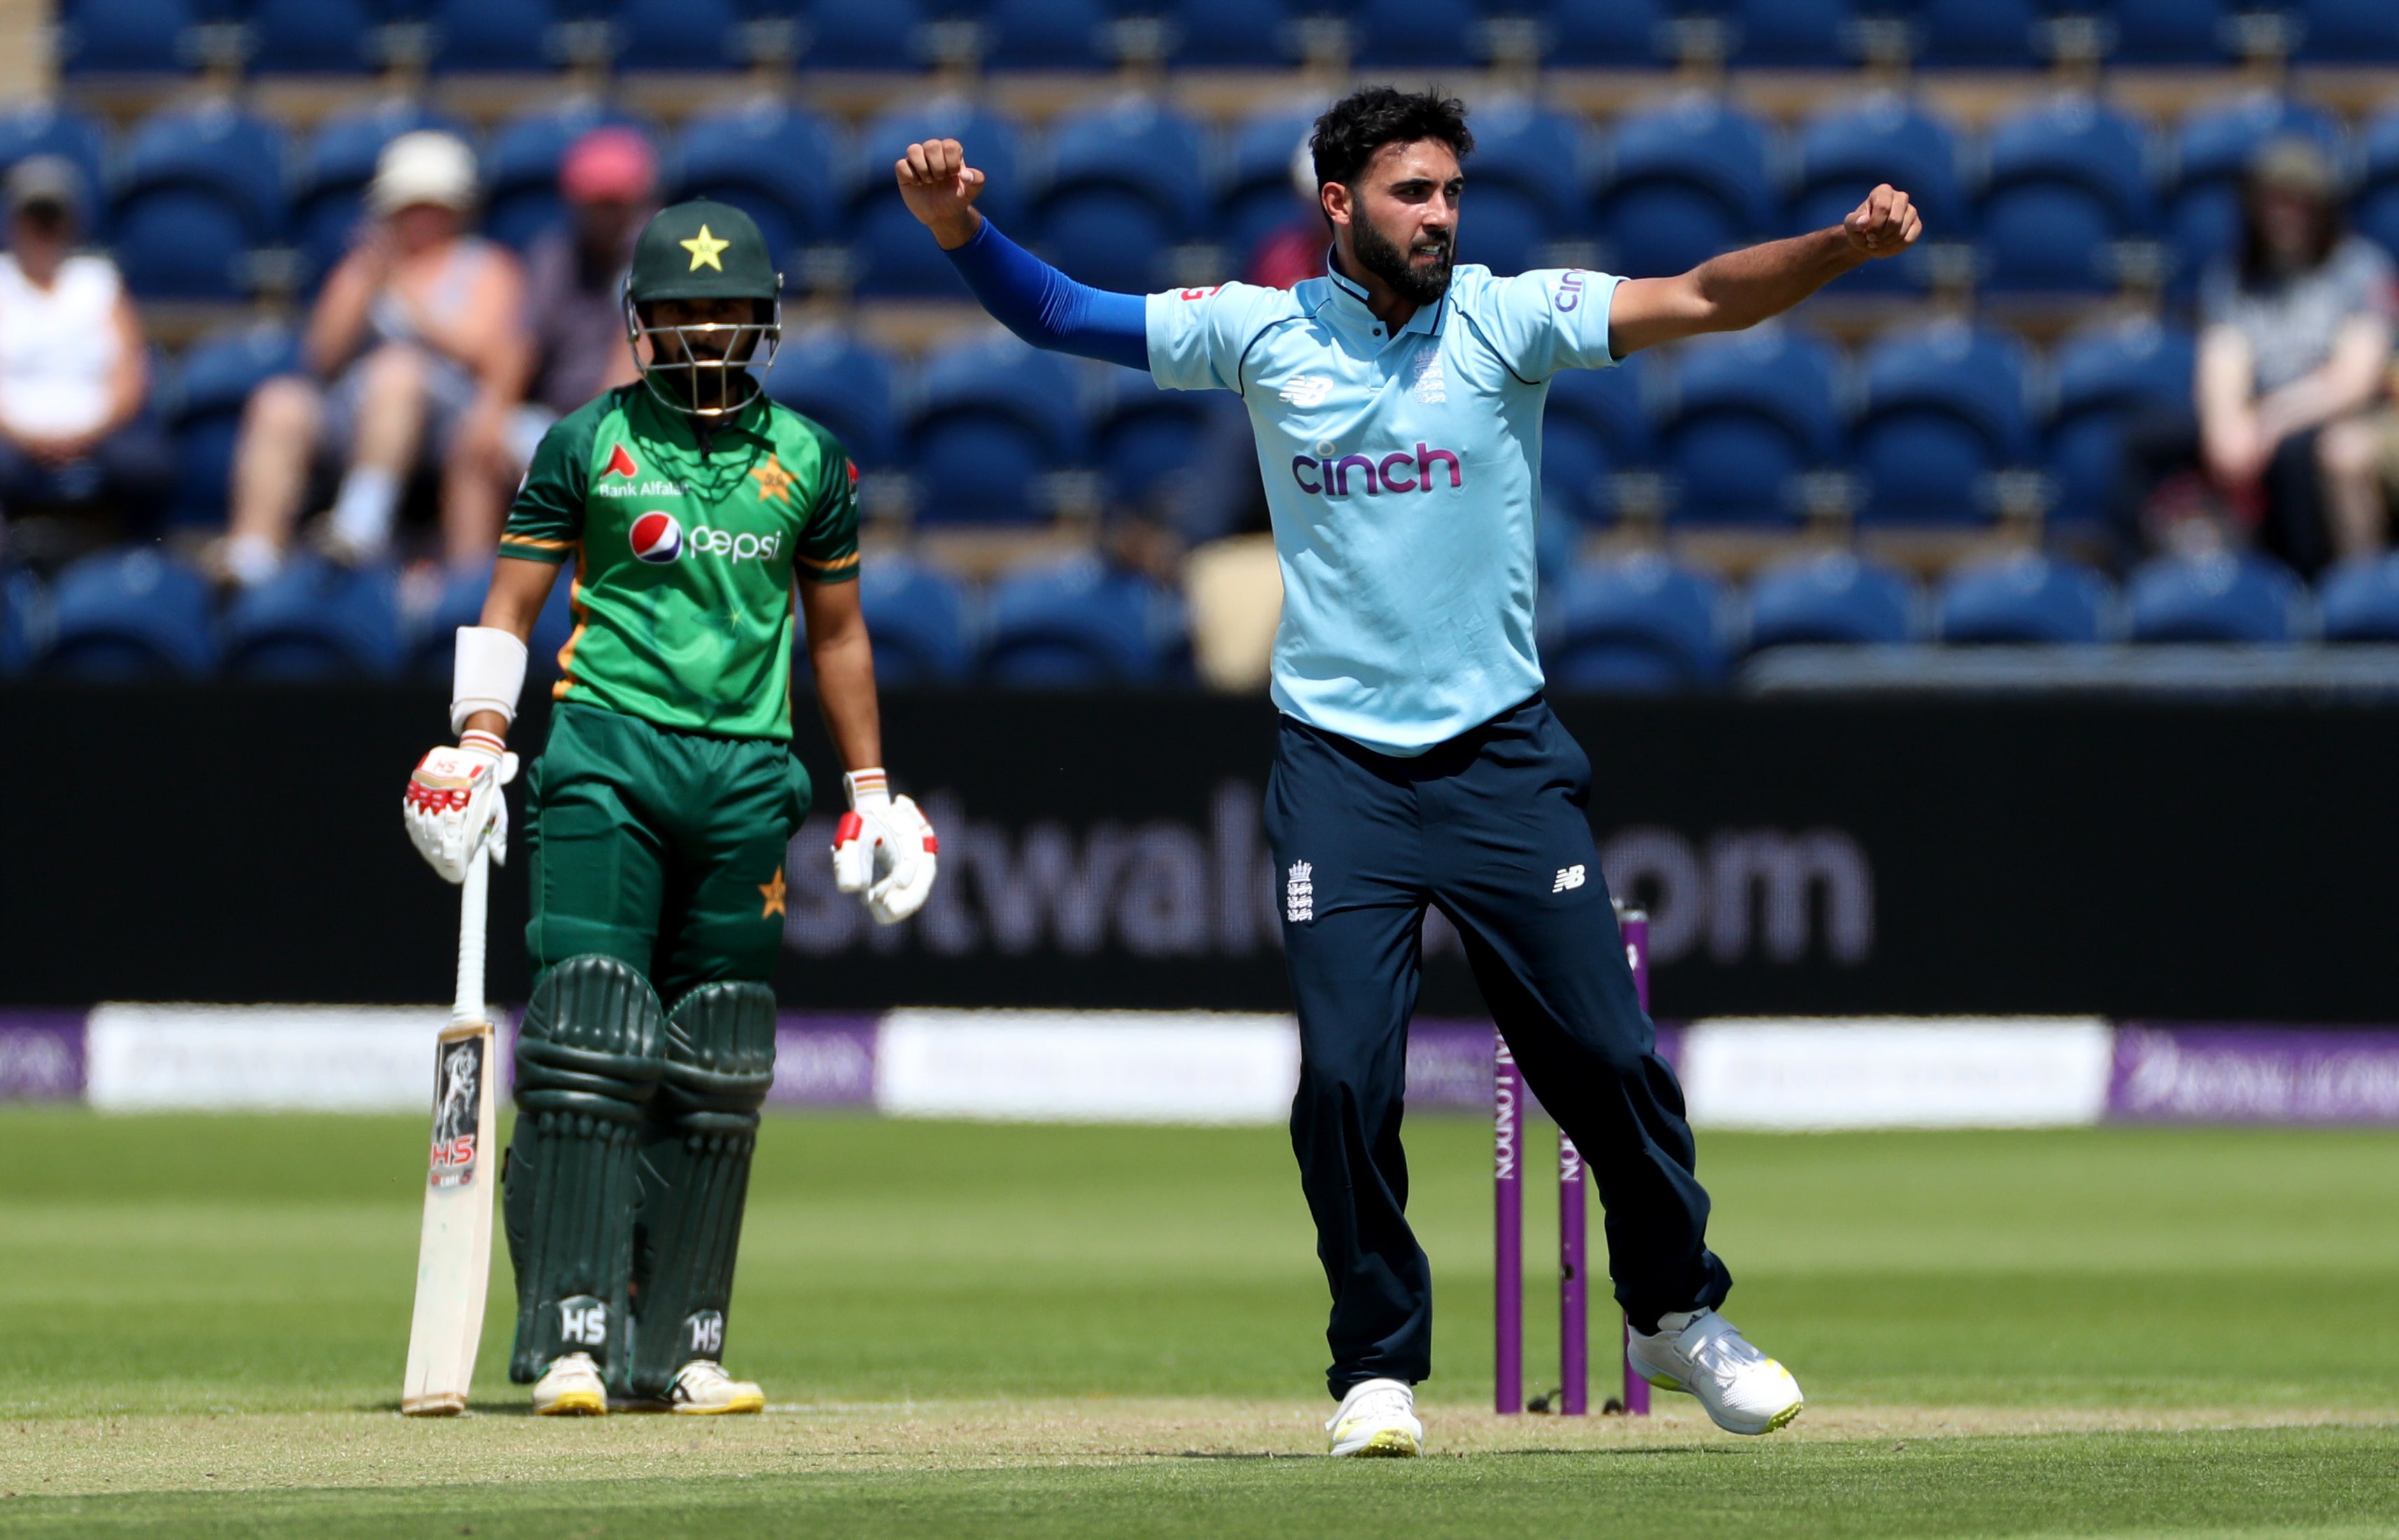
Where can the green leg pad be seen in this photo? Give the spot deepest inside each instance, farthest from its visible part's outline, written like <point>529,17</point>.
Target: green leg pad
<point>587,1068</point>
<point>696,1173</point>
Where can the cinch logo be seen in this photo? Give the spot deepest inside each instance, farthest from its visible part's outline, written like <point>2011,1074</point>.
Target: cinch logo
<point>1568,293</point>
<point>656,539</point>
<point>1399,471</point>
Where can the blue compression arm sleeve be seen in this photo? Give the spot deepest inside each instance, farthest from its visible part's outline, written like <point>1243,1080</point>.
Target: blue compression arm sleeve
<point>1049,309</point>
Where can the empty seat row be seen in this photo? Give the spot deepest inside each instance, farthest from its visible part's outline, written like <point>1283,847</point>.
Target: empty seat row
<point>137,613</point>
<point>2050,196</point>
<point>115,36</point>
<point>1646,624</point>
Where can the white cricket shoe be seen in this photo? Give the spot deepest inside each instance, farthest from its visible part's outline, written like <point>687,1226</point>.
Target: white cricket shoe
<point>703,1388</point>
<point>569,1388</point>
<point>1703,1354</point>
<point>1377,1419</point>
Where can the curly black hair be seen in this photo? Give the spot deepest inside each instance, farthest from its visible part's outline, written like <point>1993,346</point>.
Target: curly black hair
<point>1372,116</point>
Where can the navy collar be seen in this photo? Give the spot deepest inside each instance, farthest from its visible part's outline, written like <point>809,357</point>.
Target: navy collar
<point>1350,297</point>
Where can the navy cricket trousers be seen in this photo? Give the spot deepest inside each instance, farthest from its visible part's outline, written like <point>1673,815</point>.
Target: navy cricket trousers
<point>1489,826</point>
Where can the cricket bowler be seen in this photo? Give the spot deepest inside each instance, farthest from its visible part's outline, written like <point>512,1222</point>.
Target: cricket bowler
<point>659,814</point>
<point>1397,407</point>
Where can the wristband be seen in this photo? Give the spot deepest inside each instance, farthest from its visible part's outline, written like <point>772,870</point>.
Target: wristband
<point>488,675</point>
<point>869,789</point>
<point>479,739</point>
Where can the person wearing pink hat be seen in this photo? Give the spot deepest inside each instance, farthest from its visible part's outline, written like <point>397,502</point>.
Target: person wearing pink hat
<point>573,331</point>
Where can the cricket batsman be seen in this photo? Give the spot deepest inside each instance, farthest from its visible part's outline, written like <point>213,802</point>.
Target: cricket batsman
<point>1397,406</point>
<point>661,813</point>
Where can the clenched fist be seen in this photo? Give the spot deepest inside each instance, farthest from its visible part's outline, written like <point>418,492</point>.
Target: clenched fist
<point>1885,225</point>
<point>940,188</point>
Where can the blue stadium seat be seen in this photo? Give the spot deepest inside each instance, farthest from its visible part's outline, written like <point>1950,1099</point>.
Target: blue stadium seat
<point>1046,34</point>
<point>2101,375</point>
<point>201,402</point>
<point>1255,195</point>
<point>1831,598</point>
<point>1119,194</point>
<point>680,34</point>
<point>987,420</point>
<point>199,189</point>
<point>1843,154</point>
<point>1525,181</point>
<point>2375,212</point>
<point>1979,34</point>
<point>1638,625</point>
<point>1593,427</point>
<point>2066,180</point>
<point>1439,35</point>
<point>1603,34</point>
<point>2219,598</point>
<point>1791,34</point>
<point>315,620</point>
<point>47,129</point>
<point>124,36</point>
<point>429,640</point>
<point>520,171</point>
<point>132,614</point>
<point>2212,154</point>
<point>2026,599</point>
<point>1943,409</point>
<point>1142,435</point>
<point>511,36</point>
<point>1683,183</point>
<point>1255,34</point>
<point>895,256</point>
<point>1740,415</point>
<point>313,36</point>
<point>1081,623</point>
<point>829,375</point>
<point>921,620</point>
<point>780,164</point>
<point>2348,31</point>
<point>2168,32</point>
<point>2360,600</point>
<point>23,612</point>
<point>328,188</point>
<point>844,35</point>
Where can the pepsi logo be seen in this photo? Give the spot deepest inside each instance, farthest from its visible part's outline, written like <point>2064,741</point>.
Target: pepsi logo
<point>656,539</point>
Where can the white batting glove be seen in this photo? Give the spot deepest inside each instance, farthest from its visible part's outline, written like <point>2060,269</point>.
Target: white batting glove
<point>454,800</point>
<point>884,849</point>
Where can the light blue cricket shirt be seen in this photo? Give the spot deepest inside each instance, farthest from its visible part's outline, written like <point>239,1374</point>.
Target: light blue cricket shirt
<point>1403,474</point>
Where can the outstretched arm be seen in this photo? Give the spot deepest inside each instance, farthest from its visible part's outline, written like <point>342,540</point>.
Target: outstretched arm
<point>1024,293</point>
<point>1741,288</point>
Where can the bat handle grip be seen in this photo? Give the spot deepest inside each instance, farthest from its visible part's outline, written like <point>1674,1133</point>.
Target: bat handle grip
<point>474,902</point>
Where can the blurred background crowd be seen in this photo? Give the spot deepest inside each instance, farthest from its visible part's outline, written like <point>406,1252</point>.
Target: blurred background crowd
<point>294,286</point>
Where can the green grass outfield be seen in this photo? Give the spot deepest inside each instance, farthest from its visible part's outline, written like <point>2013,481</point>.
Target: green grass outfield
<point>1008,1330</point>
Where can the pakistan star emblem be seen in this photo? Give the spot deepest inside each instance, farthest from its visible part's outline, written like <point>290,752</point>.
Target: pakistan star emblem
<point>704,248</point>
<point>774,892</point>
<point>774,481</point>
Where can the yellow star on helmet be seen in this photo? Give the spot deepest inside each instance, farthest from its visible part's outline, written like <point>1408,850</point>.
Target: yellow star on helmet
<point>704,248</point>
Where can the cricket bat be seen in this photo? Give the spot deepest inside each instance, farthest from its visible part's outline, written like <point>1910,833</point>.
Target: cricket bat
<point>454,1253</point>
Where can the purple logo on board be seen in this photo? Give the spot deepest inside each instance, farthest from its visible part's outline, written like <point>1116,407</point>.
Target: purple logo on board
<point>41,1056</point>
<point>2254,1075</point>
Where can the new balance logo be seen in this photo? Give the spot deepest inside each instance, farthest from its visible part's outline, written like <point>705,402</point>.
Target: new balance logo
<point>1307,390</point>
<point>1299,893</point>
<point>585,1325</point>
<point>1569,878</point>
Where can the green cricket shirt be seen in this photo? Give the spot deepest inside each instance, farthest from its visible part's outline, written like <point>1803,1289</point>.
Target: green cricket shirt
<point>684,550</point>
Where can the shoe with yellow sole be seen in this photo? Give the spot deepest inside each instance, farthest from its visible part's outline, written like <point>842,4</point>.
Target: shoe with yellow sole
<point>703,1388</point>
<point>569,1388</point>
<point>1701,1354</point>
<point>1377,1419</point>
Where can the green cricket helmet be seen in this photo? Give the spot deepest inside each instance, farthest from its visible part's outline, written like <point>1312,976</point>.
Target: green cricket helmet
<point>703,250</point>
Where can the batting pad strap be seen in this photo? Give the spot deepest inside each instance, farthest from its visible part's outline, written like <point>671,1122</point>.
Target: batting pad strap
<point>488,674</point>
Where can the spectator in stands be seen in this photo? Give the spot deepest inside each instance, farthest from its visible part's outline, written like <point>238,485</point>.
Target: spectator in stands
<point>1293,251</point>
<point>415,340</point>
<point>79,457</point>
<point>575,318</point>
<point>2295,346</point>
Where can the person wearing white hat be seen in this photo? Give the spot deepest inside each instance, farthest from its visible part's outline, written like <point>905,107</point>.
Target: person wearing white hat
<point>415,336</point>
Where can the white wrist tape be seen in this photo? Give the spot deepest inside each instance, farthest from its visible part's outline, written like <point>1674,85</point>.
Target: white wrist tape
<point>489,675</point>
<point>869,789</point>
